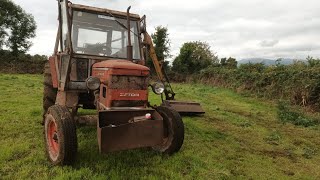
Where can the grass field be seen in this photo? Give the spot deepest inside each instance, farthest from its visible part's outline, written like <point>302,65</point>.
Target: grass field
<point>238,138</point>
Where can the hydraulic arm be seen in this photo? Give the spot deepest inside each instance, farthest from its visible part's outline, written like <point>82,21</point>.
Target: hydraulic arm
<point>168,91</point>
<point>180,106</point>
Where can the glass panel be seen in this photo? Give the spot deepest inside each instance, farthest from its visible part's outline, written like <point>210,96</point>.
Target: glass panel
<point>93,41</point>
<point>64,25</point>
<point>117,41</point>
<point>102,35</point>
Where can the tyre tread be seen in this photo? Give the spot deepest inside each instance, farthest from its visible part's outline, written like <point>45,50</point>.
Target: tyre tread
<point>178,131</point>
<point>69,144</point>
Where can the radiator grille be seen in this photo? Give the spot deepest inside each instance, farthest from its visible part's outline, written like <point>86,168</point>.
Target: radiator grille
<point>129,82</point>
<point>128,103</point>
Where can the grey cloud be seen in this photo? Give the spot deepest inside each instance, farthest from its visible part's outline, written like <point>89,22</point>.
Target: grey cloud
<point>294,50</point>
<point>233,28</point>
<point>268,43</point>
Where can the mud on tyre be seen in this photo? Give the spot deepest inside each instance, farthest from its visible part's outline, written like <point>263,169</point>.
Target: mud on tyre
<point>60,136</point>
<point>173,131</point>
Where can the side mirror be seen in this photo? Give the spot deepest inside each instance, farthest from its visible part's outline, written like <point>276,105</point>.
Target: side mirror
<point>143,25</point>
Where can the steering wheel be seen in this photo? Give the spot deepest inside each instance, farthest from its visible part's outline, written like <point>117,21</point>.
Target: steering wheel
<point>106,50</point>
<point>98,48</point>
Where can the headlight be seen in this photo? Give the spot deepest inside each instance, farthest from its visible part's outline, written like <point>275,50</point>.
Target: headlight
<point>157,88</point>
<point>93,83</point>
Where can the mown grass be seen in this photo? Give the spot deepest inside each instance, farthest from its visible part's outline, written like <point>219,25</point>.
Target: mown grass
<point>238,138</point>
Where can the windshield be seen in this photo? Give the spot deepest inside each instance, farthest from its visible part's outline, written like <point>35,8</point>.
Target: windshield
<point>102,35</point>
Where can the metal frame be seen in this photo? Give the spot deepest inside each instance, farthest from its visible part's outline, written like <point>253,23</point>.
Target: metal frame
<point>66,53</point>
<point>102,11</point>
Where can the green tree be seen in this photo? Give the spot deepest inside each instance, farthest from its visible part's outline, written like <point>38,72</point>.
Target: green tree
<point>162,47</point>
<point>16,27</point>
<point>232,62</point>
<point>223,61</point>
<point>229,63</point>
<point>313,62</point>
<point>193,57</point>
<point>162,42</point>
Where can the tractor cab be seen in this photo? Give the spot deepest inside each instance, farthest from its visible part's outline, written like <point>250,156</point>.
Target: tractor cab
<point>97,32</point>
<point>104,35</point>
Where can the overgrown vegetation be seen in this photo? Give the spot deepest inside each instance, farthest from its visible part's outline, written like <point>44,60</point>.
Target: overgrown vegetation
<point>299,82</point>
<point>21,63</point>
<point>238,138</point>
<point>287,114</point>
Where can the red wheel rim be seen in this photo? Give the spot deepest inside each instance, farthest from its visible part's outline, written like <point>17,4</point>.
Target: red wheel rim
<point>53,139</point>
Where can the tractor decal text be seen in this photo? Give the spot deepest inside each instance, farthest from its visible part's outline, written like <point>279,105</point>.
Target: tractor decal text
<point>100,74</point>
<point>129,95</point>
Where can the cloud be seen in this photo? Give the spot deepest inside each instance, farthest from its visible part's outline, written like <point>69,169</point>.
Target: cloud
<point>239,29</point>
<point>268,43</point>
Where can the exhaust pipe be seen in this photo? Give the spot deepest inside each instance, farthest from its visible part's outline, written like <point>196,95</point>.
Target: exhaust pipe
<point>129,46</point>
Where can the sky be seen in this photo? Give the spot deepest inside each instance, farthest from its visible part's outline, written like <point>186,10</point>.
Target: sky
<point>241,29</point>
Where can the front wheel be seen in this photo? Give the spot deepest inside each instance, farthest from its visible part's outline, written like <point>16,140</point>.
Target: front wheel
<point>60,136</point>
<point>173,131</point>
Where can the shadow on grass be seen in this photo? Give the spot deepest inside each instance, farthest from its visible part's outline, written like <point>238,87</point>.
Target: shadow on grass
<point>191,115</point>
<point>89,156</point>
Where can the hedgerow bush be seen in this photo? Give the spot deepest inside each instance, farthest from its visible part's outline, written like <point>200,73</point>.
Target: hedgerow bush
<point>299,82</point>
<point>21,63</point>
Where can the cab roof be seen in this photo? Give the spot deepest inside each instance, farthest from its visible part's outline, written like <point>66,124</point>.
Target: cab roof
<point>103,11</point>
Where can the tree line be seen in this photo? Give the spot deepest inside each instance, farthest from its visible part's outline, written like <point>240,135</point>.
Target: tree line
<point>193,57</point>
<point>17,27</point>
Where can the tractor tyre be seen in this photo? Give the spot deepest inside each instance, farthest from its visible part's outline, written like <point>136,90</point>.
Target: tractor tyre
<point>60,136</point>
<point>173,131</point>
<point>49,92</point>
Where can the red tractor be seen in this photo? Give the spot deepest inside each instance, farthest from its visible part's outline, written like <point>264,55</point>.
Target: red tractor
<point>99,63</point>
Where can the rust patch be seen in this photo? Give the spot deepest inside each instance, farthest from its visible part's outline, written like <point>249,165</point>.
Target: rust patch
<point>117,131</point>
<point>52,63</point>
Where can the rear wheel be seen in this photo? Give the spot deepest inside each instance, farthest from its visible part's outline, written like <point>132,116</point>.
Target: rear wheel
<point>49,92</point>
<point>60,136</point>
<point>173,131</point>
